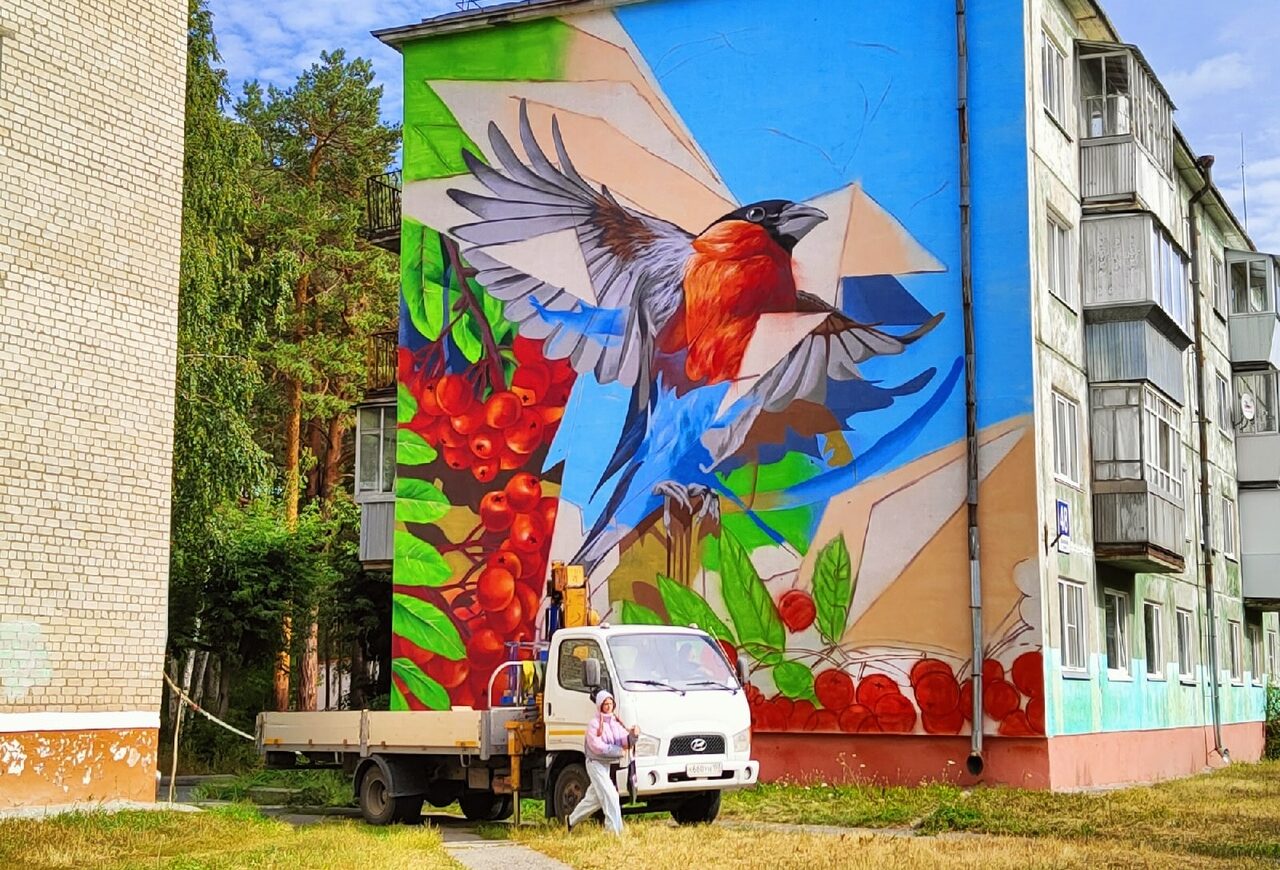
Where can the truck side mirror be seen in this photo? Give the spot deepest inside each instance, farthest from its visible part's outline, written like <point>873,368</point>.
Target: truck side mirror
<point>740,668</point>
<point>591,673</point>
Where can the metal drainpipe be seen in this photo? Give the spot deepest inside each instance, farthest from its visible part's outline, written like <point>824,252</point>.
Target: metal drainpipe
<point>975,763</point>
<point>1205,163</point>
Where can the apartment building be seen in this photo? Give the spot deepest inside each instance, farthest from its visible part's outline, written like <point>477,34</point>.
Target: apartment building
<point>998,451</point>
<point>91,134</point>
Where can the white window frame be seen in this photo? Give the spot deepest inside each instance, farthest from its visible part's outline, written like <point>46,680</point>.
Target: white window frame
<point>1073,629</point>
<point>1153,638</point>
<point>1230,530</point>
<point>382,489</point>
<point>1159,415</point>
<point>1273,653</point>
<point>1218,286</point>
<point>1254,634</point>
<point>1053,79</point>
<point>1225,410</point>
<point>1060,260</point>
<point>1262,386</point>
<point>1066,439</point>
<point>1186,645</point>
<point>1235,652</point>
<point>1115,628</point>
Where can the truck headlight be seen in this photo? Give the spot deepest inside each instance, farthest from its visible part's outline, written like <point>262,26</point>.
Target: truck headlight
<point>646,746</point>
<point>742,741</point>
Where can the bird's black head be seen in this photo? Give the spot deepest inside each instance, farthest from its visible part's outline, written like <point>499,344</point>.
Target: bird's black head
<point>787,222</point>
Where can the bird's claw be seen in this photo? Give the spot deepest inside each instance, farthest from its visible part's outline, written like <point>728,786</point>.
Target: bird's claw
<point>685,495</point>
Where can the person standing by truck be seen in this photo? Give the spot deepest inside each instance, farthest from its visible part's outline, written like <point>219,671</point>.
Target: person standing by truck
<point>606,742</point>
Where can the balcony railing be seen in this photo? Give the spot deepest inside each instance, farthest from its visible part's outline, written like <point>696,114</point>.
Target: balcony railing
<point>383,347</point>
<point>382,210</point>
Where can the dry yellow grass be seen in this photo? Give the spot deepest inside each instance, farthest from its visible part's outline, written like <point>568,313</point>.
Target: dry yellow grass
<point>233,838</point>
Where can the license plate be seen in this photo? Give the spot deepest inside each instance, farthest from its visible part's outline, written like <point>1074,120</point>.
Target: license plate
<point>703,770</point>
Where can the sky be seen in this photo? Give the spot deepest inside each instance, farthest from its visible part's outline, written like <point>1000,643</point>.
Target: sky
<point>1219,61</point>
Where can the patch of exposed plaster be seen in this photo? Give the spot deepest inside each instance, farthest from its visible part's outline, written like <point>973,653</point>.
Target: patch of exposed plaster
<point>24,659</point>
<point>13,756</point>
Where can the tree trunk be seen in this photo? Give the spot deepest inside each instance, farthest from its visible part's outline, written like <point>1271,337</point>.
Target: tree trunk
<point>292,461</point>
<point>309,673</point>
<point>224,691</point>
<point>359,677</point>
<point>171,667</point>
<point>196,691</point>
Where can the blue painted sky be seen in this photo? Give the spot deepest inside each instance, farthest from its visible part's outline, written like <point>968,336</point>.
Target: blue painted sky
<point>1219,60</point>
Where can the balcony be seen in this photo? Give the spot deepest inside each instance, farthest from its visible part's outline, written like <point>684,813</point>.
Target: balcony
<point>381,360</point>
<point>1260,548</point>
<point>1126,135</point>
<point>1253,282</point>
<point>382,210</point>
<point>1139,522</point>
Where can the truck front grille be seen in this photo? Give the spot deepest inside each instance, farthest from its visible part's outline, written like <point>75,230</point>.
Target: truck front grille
<point>697,744</point>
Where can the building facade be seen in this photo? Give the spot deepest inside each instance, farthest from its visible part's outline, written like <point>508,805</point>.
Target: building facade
<point>91,133</point>
<point>907,363</point>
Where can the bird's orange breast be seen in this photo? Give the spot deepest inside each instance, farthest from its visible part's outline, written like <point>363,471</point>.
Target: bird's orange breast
<point>737,273</point>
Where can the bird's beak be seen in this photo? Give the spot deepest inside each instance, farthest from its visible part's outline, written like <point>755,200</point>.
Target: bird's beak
<point>797,220</point>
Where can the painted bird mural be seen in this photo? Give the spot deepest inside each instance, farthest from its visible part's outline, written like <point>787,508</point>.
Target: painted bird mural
<point>673,318</point>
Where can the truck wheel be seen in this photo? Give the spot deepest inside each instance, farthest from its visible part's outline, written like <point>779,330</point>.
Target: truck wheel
<point>409,810</point>
<point>479,806</point>
<point>700,809</point>
<point>376,803</point>
<point>571,787</point>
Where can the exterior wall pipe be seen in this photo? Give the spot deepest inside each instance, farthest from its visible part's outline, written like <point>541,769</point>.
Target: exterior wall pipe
<point>1205,165</point>
<point>975,762</point>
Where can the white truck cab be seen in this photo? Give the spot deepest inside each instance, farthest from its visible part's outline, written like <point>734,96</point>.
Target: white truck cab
<point>676,685</point>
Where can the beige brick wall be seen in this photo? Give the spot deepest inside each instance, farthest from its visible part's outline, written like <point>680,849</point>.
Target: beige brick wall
<point>91,100</point>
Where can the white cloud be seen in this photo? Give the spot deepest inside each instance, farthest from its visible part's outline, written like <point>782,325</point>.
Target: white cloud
<point>1212,76</point>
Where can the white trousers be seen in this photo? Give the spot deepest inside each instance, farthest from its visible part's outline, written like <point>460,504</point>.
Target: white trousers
<point>603,794</point>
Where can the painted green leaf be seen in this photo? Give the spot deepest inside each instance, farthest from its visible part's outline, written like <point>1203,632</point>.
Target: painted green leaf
<point>751,608</point>
<point>833,589</point>
<point>412,449</point>
<point>406,404</point>
<point>417,563</point>
<point>423,623</point>
<point>793,680</point>
<point>638,614</point>
<point>687,607</point>
<point>418,501</point>
<point>466,336</point>
<point>397,698</point>
<point>422,687</point>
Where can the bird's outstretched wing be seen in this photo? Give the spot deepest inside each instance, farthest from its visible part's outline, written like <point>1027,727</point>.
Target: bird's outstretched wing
<point>635,261</point>
<point>830,351</point>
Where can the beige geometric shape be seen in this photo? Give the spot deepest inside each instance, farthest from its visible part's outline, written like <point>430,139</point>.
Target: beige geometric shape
<point>555,258</point>
<point>428,201</point>
<point>601,50</point>
<point>775,335</point>
<point>878,245</point>
<point>928,603</point>
<point>618,104</point>
<point>816,260</point>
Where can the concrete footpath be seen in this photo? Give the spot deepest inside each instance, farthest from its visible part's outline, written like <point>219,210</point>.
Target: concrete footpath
<point>476,853</point>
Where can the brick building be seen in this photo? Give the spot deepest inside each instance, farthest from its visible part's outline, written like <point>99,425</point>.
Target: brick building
<point>91,135</point>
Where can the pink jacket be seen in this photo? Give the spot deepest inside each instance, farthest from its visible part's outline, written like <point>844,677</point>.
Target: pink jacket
<point>604,742</point>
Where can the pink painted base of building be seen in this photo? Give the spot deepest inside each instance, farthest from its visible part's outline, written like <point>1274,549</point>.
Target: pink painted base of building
<point>41,768</point>
<point>1058,763</point>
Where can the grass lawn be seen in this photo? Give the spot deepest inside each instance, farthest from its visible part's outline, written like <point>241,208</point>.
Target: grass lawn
<point>228,837</point>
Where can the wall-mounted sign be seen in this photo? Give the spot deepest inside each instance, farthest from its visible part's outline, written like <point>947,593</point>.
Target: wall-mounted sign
<point>1064,527</point>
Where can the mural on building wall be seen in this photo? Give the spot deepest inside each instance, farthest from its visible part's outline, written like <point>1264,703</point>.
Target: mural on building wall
<point>681,305</point>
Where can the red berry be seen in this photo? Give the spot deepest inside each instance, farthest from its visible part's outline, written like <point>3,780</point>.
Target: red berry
<point>469,423</point>
<point>502,409</point>
<point>853,717</point>
<point>496,514</point>
<point>823,720</point>
<point>999,699</point>
<point>1028,674</point>
<point>928,666</point>
<point>895,714</point>
<point>966,700</point>
<point>801,710</point>
<point>447,673</point>
<point>874,687</point>
<point>548,507</point>
<point>1035,715</point>
<point>503,558</point>
<point>772,717</point>
<point>510,460</point>
<point>937,694</point>
<point>526,435</point>
<point>1015,725</point>
<point>507,620</point>
<point>495,589</point>
<point>530,382</point>
<point>870,725</point>
<point>834,689</point>
<point>427,402</point>
<point>462,696</point>
<point>485,647</point>
<point>944,723</point>
<point>527,350</point>
<point>454,395</point>
<point>485,471</point>
<point>457,458</point>
<point>483,444</point>
<point>449,437</point>
<point>992,671</point>
<point>797,610</point>
<point>524,491</point>
<point>527,533</point>
<point>529,601</point>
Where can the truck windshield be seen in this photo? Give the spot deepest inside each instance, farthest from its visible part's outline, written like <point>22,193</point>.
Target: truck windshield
<point>654,662</point>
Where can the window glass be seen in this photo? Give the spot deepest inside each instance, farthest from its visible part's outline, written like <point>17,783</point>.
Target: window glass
<point>1228,542</point>
<point>1255,653</point>
<point>1248,279</point>
<point>388,449</point>
<point>1186,641</point>
<point>1217,288</point>
<point>1153,638</point>
<point>1071,617</point>
<point>1164,444</point>
<point>570,669</point>
<point>1066,439</point>
<point>1260,387</point>
<point>1116,615</point>
<point>1053,77</point>
<point>1235,652</point>
<point>685,662</point>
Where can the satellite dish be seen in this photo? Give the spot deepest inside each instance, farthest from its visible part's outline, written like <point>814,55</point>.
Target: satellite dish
<point>1247,406</point>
